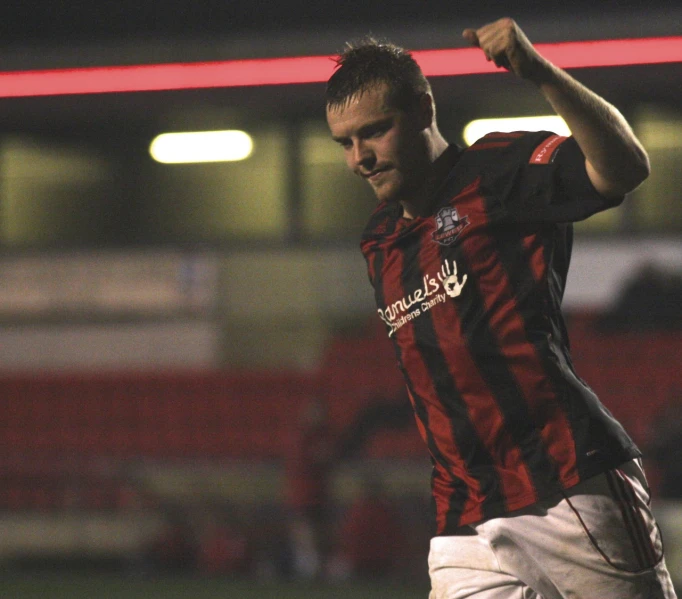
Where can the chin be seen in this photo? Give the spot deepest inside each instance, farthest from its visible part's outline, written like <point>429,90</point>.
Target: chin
<point>388,193</point>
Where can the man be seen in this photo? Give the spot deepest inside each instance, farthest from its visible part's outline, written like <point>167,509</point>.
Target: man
<point>309,470</point>
<point>538,491</point>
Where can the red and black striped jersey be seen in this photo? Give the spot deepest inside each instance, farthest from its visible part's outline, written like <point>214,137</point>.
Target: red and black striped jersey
<point>471,299</point>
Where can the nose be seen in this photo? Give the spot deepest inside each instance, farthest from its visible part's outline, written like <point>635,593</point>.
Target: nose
<point>361,156</point>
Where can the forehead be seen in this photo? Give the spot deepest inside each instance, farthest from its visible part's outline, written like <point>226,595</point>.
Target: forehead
<point>364,107</point>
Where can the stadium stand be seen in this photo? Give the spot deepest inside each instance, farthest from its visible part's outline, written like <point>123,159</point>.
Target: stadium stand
<point>59,432</point>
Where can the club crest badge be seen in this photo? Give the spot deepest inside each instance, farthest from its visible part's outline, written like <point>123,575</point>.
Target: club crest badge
<point>449,225</point>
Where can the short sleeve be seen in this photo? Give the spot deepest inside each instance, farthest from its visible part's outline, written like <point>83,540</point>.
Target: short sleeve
<point>551,183</point>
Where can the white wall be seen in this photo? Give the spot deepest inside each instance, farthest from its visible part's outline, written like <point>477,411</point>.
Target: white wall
<point>247,308</point>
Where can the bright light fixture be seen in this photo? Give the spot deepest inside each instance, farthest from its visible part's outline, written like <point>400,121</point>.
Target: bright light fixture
<point>447,62</point>
<point>201,146</point>
<point>480,127</point>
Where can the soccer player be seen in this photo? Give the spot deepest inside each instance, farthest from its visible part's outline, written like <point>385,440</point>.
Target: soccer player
<point>537,490</point>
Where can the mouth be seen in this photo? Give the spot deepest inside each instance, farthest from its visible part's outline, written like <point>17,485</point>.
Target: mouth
<point>375,175</point>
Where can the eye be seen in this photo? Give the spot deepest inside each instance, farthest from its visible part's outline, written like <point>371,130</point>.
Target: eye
<point>378,131</point>
<point>374,130</point>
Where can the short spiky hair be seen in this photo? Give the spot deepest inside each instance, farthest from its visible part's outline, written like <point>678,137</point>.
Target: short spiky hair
<point>369,62</point>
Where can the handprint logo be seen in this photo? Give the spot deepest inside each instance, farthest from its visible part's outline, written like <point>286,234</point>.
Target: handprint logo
<point>452,285</point>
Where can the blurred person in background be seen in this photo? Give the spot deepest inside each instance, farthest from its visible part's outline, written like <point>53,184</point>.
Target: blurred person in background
<point>372,534</point>
<point>223,547</point>
<point>309,470</point>
<point>537,490</point>
<point>173,549</point>
<point>664,446</point>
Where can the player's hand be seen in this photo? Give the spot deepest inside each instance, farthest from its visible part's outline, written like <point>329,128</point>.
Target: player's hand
<point>505,44</point>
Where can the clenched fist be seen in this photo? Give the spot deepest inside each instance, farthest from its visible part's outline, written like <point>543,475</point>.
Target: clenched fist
<point>505,44</point>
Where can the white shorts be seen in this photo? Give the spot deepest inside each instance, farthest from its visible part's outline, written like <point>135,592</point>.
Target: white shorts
<point>597,541</point>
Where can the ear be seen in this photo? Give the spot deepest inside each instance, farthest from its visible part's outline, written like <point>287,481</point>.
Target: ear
<point>427,111</point>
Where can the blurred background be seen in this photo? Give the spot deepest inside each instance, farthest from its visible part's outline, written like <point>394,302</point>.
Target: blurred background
<point>196,395</point>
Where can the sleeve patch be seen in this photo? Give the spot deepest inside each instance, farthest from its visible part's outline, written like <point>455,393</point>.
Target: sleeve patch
<point>545,152</point>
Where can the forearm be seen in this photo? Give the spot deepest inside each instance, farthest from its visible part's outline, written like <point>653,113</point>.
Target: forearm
<point>616,162</point>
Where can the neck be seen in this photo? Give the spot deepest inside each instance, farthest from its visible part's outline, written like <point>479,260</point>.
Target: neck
<point>420,202</point>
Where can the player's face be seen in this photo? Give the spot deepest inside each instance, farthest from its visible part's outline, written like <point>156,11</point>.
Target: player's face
<point>382,144</point>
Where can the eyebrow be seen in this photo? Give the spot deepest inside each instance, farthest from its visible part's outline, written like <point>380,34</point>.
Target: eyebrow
<point>366,129</point>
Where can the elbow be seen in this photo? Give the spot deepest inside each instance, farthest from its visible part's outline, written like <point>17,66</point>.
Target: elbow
<point>619,177</point>
<point>641,169</point>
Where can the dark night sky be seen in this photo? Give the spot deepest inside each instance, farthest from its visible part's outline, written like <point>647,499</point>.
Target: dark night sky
<point>75,21</point>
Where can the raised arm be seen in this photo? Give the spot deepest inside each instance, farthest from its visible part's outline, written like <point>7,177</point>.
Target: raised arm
<point>615,160</point>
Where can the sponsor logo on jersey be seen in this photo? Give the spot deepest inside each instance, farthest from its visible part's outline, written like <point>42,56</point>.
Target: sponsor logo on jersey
<point>545,152</point>
<point>449,225</point>
<point>434,290</point>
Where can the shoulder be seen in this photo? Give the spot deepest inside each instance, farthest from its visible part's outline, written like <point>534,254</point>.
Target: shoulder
<point>505,158</point>
<point>532,145</point>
